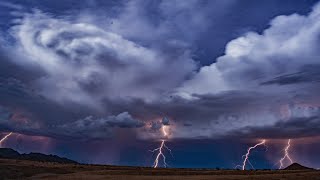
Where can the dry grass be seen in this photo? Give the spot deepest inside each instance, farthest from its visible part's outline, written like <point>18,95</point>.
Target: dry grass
<point>20,169</point>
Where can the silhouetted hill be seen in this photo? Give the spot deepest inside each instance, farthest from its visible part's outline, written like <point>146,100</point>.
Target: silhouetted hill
<point>8,153</point>
<point>296,166</point>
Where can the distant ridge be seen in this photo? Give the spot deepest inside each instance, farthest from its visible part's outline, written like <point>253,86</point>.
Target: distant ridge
<point>9,153</point>
<point>296,166</point>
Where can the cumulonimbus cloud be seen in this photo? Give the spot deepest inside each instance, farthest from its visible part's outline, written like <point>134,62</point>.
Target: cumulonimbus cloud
<point>251,87</point>
<point>287,46</point>
<point>85,63</point>
<point>281,63</point>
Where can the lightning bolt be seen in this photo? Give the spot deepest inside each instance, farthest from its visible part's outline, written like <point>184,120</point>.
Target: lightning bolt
<point>161,149</point>
<point>246,156</point>
<point>286,155</point>
<point>4,138</point>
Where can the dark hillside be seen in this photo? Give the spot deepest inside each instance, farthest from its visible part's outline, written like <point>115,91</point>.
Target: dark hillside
<point>296,166</point>
<point>8,153</point>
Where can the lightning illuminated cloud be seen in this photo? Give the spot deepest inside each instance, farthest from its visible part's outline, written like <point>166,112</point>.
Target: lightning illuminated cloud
<point>286,154</point>
<point>161,149</point>
<point>4,138</point>
<point>246,159</point>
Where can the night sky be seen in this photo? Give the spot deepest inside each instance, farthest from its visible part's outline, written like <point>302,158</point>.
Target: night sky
<point>107,82</point>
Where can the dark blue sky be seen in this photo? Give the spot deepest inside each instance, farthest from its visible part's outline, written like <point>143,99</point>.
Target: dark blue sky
<point>93,80</point>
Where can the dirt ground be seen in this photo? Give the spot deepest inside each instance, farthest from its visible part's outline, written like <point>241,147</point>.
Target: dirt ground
<point>21,169</point>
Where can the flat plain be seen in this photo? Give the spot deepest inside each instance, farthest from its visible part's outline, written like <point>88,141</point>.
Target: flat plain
<point>24,169</point>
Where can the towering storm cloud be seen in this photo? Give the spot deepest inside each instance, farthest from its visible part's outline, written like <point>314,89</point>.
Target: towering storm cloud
<point>279,62</point>
<point>288,46</point>
<point>85,63</point>
<point>93,65</point>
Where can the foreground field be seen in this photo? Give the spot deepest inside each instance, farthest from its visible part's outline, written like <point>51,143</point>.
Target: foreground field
<point>22,169</point>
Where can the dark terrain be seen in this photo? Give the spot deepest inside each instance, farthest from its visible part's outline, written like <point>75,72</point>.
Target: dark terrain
<point>8,153</point>
<point>40,166</point>
<point>296,166</point>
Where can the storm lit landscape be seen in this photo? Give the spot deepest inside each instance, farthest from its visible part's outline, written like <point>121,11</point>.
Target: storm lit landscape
<point>159,89</point>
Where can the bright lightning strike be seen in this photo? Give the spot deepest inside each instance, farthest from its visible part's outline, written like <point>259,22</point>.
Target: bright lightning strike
<point>286,155</point>
<point>164,131</point>
<point>4,138</point>
<point>246,159</point>
<point>161,149</point>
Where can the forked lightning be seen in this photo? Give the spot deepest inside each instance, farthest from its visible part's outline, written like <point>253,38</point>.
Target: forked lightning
<point>286,154</point>
<point>161,149</point>
<point>246,156</point>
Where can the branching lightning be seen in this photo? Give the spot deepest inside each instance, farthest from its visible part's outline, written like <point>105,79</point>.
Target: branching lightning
<point>4,138</point>
<point>161,149</point>
<point>246,156</point>
<point>286,155</point>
